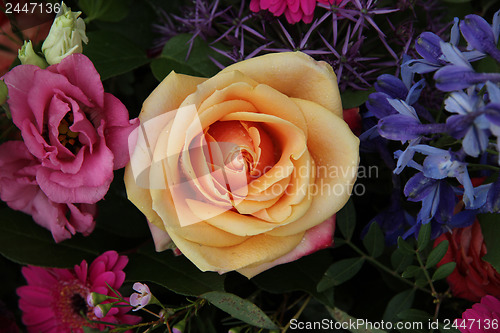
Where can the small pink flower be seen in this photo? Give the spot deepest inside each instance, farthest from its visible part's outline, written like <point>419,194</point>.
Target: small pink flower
<point>294,10</point>
<point>141,298</point>
<point>77,132</point>
<point>484,317</point>
<point>54,298</point>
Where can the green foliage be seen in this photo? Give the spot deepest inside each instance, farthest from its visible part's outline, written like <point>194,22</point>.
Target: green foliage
<point>424,236</point>
<point>405,247</point>
<point>109,10</point>
<point>340,272</point>
<point>437,254</point>
<point>400,260</point>
<point>113,54</point>
<point>374,240</point>
<point>346,220</point>
<point>173,58</point>
<point>175,273</point>
<point>443,271</point>
<point>400,302</point>
<point>490,226</point>
<point>303,274</point>
<point>355,98</point>
<point>239,308</point>
<point>25,242</point>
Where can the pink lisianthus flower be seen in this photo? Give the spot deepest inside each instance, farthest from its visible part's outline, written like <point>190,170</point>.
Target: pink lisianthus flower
<point>76,131</point>
<point>294,10</point>
<point>18,187</point>
<point>54,298</point>
<point>483,317</point>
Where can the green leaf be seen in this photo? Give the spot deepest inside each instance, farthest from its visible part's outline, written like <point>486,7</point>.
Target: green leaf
<point>490,226</point>
<point>240,309</point>
<point>411,271</point>
<point>113,54</point>
<point>175,273</point>
<point>398,303</point>
<point>437,254</point>
<point>303,274</point>
<point>173,58</point>
<point>374,240</point>
<point>405,247</point>
<point>340,272</point>
<point>342,317</point>
<point>346,219</point>
<point>443,271</point>
<point>414,315</point>
<point>355,98</point>
<point>400,260</point>
<point>424,236</point>
<point>109,10</point>
<point>25,242</point>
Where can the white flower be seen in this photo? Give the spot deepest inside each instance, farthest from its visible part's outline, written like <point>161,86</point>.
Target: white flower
<point>65,37</point>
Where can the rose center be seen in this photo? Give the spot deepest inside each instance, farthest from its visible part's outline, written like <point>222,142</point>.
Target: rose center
<point>245,146</point>
<point>67,137</point>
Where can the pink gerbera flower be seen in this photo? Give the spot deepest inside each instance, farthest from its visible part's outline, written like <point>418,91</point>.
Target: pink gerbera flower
<point>54,298</point>
<point>294,10</point>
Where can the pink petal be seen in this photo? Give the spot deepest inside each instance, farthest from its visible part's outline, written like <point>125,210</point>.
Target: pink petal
<point>81,72</point>
<point>103,279</point>
<point>308,6</point>
<point>118,129</point>
<point>89,185</point>
<point>19,82</point>
<point>35,295</point>
<point>317,238</point>
<point>83,217</point>
<point>81,271</point>
<point>38,276</point>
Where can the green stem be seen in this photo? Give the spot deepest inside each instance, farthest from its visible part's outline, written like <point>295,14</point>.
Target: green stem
<point>483,166</point>
<point>297,315</point>
<point>385,268</point>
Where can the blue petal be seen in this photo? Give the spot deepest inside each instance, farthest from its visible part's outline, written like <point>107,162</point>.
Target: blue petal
<point>475,141</point>
<point>478,33</point>
<point>437,166</point>
<point>414,92</point>
<point>392,86</point>
<point>493,92</point>
<point>457,126</point>
<point>452,54</point>
<point>403,108</point>
<point>379,105</point>
<point>461,103</point>
<point>480,195</point>
<point>451,78</point>
<point>447,203</point>
<point>493,198</point>
<point>455,32</point>
<point>428,46</point>
<point>430,204</point>
<point>418,187</point>
<point>496,25</point>
<point>419,66</point>
<point>399,127</point>
<point>463,219</point>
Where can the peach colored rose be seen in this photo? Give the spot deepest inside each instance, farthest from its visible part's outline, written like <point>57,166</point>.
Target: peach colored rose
<point>244,171</point>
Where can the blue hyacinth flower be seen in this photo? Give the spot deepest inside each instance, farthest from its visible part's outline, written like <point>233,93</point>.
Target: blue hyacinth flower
<point>469,123</point>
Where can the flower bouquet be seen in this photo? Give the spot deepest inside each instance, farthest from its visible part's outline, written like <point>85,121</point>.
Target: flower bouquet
<point>250,166</point>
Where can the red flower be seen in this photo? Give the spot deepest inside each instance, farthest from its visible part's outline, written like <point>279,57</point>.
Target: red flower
<point>54,298</point>
<point>473,277</point>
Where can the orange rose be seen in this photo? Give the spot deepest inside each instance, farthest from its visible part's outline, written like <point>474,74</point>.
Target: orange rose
<point>240,170</point>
